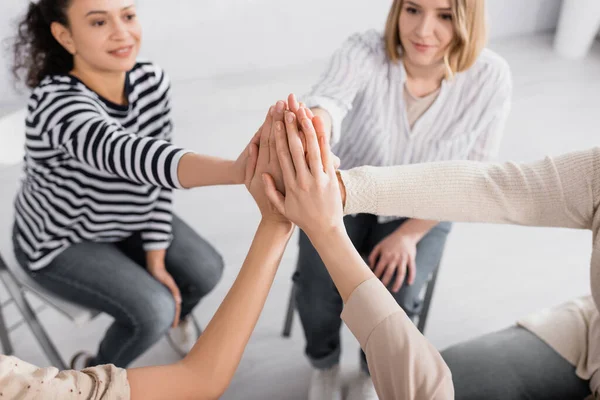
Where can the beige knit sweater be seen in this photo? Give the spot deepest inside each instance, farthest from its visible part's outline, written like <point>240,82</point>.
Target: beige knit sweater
<point>555,192</point>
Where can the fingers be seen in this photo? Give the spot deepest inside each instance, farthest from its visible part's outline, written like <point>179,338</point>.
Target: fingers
<point>312,148</point>
<point>251,163</point>
<point>293,103</point>
<point>295,146</point>
<point>373,256</point>
<point>381,266</point>
<point>309,113</point>
<point>330,162</point>
<point>285,157</point>
<point>167,280</point>
<point>400,274</point>
<point>274,196</point>
<point>279,111</point>
<point>389,272</point>
<point>263,153</point>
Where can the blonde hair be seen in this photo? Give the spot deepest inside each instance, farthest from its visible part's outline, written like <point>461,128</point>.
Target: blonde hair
<point>470,34</point>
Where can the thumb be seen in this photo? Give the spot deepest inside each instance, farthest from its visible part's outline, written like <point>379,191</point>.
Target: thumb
<point>274,196</point>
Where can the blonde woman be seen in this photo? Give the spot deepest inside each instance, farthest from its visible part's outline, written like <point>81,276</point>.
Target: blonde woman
<point>426,90</point>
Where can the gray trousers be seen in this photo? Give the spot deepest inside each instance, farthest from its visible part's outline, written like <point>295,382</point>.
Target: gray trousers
<point>112,278</point>
<point>512,364</point>
<point>318,301</point>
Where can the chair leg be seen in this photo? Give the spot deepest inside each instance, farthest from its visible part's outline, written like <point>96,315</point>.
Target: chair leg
<point>4,337</point>
<point>196,325</point>
<point>427,302</point>
<point>36,327</point>
<point>289,317</point>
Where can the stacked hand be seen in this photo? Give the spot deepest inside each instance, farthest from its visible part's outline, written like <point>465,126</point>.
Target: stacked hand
<point>263,160</point>
<point>295,170</point>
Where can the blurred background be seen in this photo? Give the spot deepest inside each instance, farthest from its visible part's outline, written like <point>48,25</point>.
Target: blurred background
<point>230,59</point>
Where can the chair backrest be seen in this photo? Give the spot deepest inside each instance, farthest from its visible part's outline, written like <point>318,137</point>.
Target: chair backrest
<point>12,138</point>
<point>12,150</point>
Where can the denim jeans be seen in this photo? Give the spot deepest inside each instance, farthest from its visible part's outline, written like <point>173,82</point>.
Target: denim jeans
<point>112,278</point>
<point>318,301</point>
<point>512,364</point>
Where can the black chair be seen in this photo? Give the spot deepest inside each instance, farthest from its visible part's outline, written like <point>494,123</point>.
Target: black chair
<point>422,318</point>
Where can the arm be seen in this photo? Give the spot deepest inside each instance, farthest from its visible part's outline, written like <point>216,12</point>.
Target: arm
<point>416,229</point>
<point>489,126</point>
<point>559,192</point>
<point>207,370</point>
<point>348,71</point>
<point>403,364</point>
<point>90,137</point>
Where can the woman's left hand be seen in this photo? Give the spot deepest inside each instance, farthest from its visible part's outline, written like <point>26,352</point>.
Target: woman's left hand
<point>160,273</point>
<point>395,254</point>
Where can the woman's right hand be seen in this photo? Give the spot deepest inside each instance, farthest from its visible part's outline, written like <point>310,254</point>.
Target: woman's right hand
<point>312,197</point>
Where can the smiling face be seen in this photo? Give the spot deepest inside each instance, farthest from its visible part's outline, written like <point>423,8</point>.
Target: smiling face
<point>103,35</point>
<point>426,31</point>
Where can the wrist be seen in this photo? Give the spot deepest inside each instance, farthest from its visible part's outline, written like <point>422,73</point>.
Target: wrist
<point>233,173</point>
<point>323,237</point>
<point>155,258</point>
<point>408,234</point>
<point>277,224</point>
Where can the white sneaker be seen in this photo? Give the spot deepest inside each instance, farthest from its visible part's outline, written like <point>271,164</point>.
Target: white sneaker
<point>362,388</point>
<point>184,336</point>
<point>325,384</point>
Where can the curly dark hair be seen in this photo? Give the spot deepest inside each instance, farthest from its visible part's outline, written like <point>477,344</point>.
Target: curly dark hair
<point>36,53</point>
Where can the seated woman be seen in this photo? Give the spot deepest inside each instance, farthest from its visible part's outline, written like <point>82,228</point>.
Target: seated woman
<point>207,370</point>
<point>94,220</point>
<point>549,355</point>
<point>424,90</point>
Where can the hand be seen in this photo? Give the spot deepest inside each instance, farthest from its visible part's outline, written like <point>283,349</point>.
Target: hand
<point>312,196</point>
<point>239,165</point>
<point>395,254</point>
<point>159,271</point>
<point>263,160</point>
<point>302,112</point>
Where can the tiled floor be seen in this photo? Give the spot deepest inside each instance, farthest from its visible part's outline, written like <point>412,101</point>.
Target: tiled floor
<point>491,275</point>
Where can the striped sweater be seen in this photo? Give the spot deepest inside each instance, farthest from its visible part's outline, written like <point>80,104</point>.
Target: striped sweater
<point>95,170</point>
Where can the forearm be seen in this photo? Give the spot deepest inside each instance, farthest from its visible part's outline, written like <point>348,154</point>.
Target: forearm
<point>195,170</point>
<point>416,228</point>
<point>344,264</point>
<point>207,370</point>
<point>552,192</point>
<point>155,257</point>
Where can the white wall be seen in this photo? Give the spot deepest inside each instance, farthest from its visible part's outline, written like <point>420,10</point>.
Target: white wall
<point>192,38</point>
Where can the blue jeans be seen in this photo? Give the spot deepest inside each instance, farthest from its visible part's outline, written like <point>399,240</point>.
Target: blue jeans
<point>111,278</point>
<point>512,364</point>
<point>318,301</point>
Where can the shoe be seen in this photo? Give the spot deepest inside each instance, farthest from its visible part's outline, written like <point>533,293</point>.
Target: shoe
<point>81,361</point>
<point>362,388</point>
<point>325,384</point>
<point>184,336</point>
